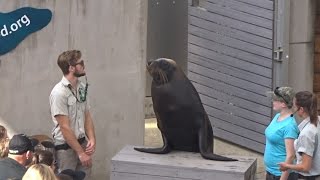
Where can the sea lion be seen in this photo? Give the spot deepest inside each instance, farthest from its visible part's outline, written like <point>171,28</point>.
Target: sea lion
<point>181,117</point>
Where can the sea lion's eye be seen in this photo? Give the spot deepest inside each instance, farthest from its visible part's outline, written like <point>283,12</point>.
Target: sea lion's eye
<point>165,64</point>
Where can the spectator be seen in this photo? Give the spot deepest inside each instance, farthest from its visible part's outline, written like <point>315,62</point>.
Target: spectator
<point>20,154</point>
<point>4,142</point>
<point>307,146</point>
<point>3,132</point>
<point>4,148</point>
<point>39,172</point>
<point>44,157</point>
<point>280,135</point>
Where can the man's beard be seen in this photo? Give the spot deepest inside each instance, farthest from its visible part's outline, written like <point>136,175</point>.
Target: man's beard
<point>77,74</point>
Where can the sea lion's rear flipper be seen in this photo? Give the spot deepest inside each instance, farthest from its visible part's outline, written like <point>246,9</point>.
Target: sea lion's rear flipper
<point>206,151</point>
<point>163,150</point>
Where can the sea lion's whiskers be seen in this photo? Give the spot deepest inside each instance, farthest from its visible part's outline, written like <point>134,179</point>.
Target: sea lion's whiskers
<point>162,77</point>
<point>165,78</point>
<point>158,74</point>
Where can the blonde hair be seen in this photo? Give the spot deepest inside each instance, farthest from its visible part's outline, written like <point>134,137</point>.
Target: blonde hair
<point>4,148</point>
<point>39,172</point>
<point>3,132</point>
<point>4,142</point>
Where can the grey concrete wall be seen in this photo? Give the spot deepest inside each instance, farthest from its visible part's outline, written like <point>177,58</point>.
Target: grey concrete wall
<point>301,44</point>
<point>167,33</point>
<point>112,36</point>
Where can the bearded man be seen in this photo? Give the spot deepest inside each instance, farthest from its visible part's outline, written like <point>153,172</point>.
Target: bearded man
<point>73,133</point>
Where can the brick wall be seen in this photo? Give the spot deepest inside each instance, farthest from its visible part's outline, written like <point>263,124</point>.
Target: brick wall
<point>316,79</point>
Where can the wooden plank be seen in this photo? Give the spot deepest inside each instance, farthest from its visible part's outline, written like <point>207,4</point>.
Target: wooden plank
<point>129,163</point>
<point>232,100</point>
<point>231,23</point>
<point>241,141</point>
<point>230,61</point>
<point>132,176</point>
<point>234,110</point>
<point>232,43</point>
<point>234,81</point>
<point>246,8</point>
<point>267,4</point>
<point>230,32</point>
<point>237,130</point>
<point>236,72</point>
<point>237,15</point>
<point>232,90</point>
<point>224,59</point>
<point>236,120</point>
<point>242,57</point>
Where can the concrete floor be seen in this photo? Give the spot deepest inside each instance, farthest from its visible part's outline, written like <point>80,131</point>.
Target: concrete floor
<point>153,139</point>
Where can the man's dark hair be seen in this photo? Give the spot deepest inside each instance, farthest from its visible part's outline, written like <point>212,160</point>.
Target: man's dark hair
<point>68,58</point>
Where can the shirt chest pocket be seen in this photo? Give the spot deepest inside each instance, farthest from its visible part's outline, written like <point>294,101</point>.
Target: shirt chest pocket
<point>72,105</point>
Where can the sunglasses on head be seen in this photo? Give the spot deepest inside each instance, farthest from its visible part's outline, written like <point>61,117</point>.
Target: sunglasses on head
<point>277,93</point>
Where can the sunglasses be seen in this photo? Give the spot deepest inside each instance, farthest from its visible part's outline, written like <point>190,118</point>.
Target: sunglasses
<point>80,62</point>
<point>277,93</point>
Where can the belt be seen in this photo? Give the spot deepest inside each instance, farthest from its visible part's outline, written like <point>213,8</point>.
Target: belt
<point>272,177</point>
<point>66,146</point>
<point>308,177</point>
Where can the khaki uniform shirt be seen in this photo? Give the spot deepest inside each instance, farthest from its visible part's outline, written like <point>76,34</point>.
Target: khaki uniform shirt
<point>64,102</point>
<point>308,143</point>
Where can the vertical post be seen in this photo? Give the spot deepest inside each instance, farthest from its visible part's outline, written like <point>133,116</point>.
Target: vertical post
<point>195,3</point>
<point>281,42</point>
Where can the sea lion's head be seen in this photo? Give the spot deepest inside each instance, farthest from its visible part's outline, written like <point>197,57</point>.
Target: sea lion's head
<point>161,70</point>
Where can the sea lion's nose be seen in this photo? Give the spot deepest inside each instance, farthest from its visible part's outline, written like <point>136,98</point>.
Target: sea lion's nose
<point>150,62</point>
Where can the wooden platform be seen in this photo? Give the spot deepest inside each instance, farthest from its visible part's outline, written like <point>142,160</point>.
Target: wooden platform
<point>129,164</point>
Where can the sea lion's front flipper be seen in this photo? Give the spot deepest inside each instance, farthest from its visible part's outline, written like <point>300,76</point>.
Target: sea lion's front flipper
<point>163,150</point>
<point>206,152</point>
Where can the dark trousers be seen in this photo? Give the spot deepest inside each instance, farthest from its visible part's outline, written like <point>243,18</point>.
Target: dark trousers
<point>292,176</point>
